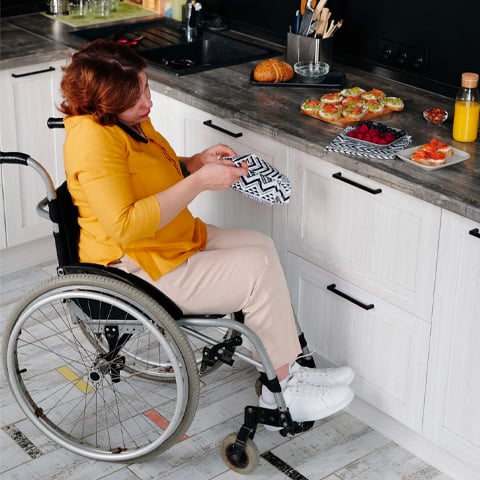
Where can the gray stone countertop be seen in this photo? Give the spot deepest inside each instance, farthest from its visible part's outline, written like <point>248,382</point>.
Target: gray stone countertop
<point>274,111</point>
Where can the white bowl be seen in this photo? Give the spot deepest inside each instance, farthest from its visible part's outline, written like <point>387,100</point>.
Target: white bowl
<point>311,71</point>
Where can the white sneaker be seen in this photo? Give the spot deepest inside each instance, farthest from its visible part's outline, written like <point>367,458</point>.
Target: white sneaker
<point>308,402</point>
<point>322,376</point>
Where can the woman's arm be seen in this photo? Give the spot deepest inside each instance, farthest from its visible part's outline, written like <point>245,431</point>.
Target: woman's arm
<point>214,174</point>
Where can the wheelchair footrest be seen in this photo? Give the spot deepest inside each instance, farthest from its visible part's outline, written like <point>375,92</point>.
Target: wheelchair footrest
<point>268,416</point>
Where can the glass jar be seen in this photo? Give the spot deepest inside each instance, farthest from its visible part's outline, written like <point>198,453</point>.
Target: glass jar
<point>467,109</point>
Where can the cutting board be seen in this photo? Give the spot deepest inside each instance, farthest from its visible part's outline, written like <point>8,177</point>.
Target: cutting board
<point>341,122</point>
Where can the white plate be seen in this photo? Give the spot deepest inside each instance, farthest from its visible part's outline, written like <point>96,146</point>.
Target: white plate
<point>458,157</point>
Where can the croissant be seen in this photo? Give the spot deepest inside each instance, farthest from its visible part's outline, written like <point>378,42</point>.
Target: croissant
<point>273,70</point>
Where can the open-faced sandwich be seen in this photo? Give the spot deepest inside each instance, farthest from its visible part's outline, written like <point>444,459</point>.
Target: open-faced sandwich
<point>394,103</point>
<point>432,154</point>
<point>374,94</point>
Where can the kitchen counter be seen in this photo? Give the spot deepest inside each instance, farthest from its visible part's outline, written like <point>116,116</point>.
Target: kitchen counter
<point>274,112</point>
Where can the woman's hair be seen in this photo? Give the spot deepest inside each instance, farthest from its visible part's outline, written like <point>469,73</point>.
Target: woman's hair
<point>101,80</point>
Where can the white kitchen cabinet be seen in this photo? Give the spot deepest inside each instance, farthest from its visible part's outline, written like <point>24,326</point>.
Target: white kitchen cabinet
<point>370,235</point>
<point>386,347</point>
<point>375,249</point>
<point>29,96</point>
<point>3,230</point>
<point>452,410</point>
<point>229,208</point>
<point>167,118</point>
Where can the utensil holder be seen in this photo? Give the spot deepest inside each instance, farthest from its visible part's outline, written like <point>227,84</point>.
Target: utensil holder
<point>306,49</point>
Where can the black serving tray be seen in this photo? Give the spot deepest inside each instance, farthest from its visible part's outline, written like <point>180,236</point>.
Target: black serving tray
<point>334,80</point>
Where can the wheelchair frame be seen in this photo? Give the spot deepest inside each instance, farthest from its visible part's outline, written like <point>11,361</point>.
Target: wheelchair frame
<point>121,336</point>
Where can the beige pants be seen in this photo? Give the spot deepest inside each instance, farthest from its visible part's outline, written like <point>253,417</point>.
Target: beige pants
<point>237,270</point>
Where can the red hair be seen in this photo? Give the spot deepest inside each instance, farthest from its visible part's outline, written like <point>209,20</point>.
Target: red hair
<point>101,80</point>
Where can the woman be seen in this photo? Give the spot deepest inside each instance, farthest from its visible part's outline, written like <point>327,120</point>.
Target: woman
<point>132,193</point>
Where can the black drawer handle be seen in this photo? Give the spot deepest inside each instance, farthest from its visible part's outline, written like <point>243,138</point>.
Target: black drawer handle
<point>333,288</point>
<point>373,191</point>
<point>209,123</point>
<point>475,232</point>
<point>19,75</point>
<point>55,122</point>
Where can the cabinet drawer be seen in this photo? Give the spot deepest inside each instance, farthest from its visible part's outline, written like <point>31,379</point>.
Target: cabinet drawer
<point>387,348</point>
<point>372,236</point>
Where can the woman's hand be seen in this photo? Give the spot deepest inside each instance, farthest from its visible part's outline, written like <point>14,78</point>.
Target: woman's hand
<point>209,155</point>
<point>220,174</point>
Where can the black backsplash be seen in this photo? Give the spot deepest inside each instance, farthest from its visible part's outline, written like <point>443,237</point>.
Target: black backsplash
<point>20,7</point>
<point>425,43</point>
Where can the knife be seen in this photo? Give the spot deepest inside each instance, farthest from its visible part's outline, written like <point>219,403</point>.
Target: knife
<point>306,19</point>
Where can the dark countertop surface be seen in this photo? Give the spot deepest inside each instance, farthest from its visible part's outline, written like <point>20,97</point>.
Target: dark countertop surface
<point>274,111</point>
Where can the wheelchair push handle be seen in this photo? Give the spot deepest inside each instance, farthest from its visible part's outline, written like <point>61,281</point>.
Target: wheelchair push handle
<point>14,158</point>
<point>20,158</point>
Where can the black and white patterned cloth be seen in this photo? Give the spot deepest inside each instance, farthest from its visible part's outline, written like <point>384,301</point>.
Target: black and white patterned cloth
<point>357,148</point>
<point>264,183</point>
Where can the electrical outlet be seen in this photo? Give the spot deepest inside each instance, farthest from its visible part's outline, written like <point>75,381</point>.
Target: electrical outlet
<point>403,57</point>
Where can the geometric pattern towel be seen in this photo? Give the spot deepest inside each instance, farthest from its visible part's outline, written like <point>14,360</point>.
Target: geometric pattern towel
<point>264,183</point>
<point>348,146</point>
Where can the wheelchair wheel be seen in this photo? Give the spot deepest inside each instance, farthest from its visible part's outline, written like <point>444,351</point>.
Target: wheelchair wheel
<point>90,399</point>
<point>247,462</point>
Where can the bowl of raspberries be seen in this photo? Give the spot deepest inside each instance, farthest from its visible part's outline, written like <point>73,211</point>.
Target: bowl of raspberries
<point>374,133</point>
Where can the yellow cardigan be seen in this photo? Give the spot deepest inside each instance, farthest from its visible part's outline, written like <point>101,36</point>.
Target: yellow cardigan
<point>112,176</point>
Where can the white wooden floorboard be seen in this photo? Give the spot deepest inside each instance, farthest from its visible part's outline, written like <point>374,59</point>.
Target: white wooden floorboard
<point>123,474</point>
<point>389,462</point>
<point>11,454</point>
<point>60,465</point>
<point>10,412</point>
<point>329,446</point>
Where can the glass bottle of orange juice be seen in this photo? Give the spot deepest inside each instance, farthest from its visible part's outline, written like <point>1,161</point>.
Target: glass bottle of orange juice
<point>467,109</point>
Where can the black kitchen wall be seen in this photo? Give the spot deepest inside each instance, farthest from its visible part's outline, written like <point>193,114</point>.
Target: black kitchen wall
<point>20,7</point>
<point>427,43</point>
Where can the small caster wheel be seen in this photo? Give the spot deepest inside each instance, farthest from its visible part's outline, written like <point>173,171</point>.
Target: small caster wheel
<point>248,459</point>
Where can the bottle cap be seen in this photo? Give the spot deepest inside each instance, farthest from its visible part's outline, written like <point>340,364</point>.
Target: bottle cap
<point>469,80</point>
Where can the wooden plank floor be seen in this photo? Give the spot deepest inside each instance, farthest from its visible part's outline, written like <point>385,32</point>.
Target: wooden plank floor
<point>338,448</point>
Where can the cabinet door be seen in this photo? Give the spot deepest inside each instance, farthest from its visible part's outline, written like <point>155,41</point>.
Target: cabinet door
<point>167,117</point>
<point>3,232</point>
<point>452,411</point>
<point>229,208</point>
<point>374,237</point>
<point>387,348</point>
<point>29,96</point>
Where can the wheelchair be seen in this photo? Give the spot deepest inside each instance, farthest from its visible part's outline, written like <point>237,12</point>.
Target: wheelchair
<point>108,367</point>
